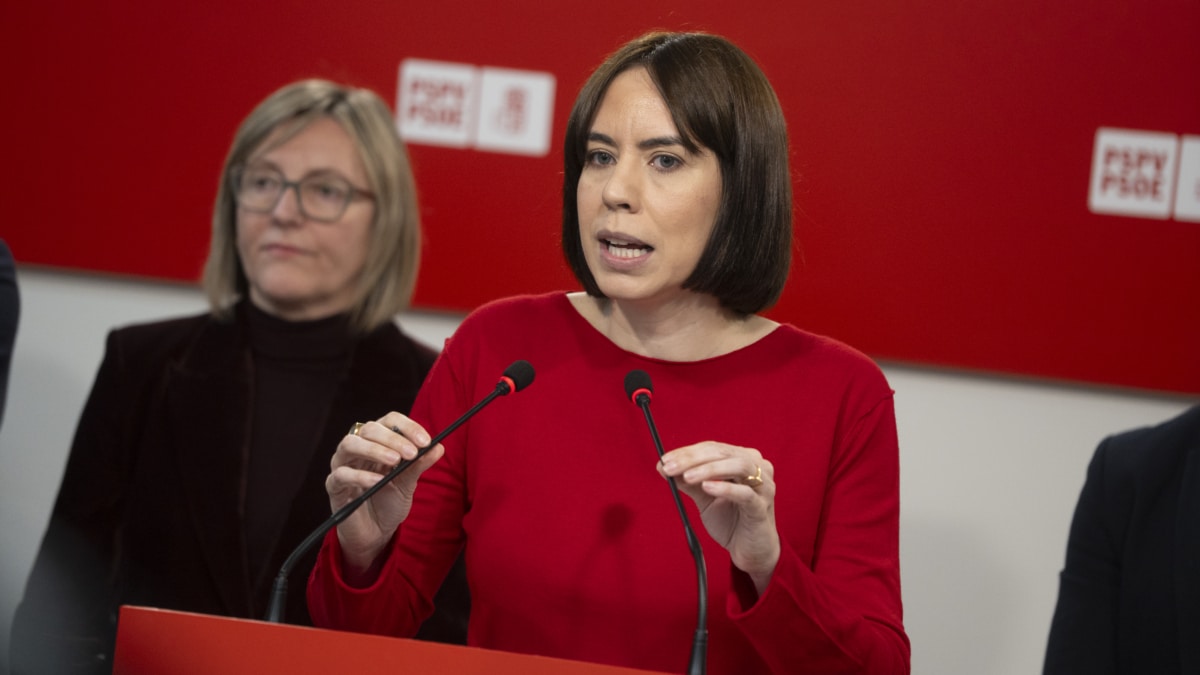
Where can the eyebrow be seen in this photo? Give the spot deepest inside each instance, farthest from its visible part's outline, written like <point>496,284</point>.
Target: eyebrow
<point>647,144</point>
<point>321,171</point>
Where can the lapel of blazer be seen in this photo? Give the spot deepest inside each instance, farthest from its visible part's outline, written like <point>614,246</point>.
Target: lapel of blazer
<point>384,374</point>
<point>1187,558</point>
<point>366,392</point>
<point>207,405</point>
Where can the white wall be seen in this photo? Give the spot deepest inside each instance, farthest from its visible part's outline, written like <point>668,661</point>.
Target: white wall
<point>990,470</point>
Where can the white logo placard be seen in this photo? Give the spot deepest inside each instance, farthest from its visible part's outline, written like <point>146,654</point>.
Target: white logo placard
<point>1133,173</point>
<point>461,105</point>
<point>436,102</point>
<point>515,109</point>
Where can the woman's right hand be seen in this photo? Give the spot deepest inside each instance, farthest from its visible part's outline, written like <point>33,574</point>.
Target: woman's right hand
<point>360,461</point>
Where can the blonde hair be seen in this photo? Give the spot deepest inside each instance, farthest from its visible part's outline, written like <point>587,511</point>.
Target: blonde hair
<point>389,275</point>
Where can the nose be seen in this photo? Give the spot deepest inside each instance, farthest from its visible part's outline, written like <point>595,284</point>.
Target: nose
<point>622,189</point>
<point>287,209</point>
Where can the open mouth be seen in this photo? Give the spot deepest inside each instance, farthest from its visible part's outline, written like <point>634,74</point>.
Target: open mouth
<point>626,249</point>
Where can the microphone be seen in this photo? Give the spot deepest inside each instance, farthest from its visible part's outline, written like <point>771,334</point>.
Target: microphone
<point>515,378</point>
<point>640,391</point>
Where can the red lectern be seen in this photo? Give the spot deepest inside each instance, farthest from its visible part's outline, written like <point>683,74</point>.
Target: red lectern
<point>159,642</point>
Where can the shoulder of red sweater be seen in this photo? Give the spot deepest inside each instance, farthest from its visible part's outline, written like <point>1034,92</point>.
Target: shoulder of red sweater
<point>517,308</point>
<point>826,347</point>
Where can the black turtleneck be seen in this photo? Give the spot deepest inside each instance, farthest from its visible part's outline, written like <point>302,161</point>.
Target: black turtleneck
<point>298,366</point>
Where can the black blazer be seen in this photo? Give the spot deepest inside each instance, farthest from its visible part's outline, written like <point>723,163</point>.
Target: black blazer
<point>1129,595</point>
<point>10,312</point>
<point>149,511</point>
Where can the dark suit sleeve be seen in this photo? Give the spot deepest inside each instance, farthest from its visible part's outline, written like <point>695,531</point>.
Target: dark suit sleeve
<point>66,622</point>
<point>1083,631</point>
<point>10,312</point>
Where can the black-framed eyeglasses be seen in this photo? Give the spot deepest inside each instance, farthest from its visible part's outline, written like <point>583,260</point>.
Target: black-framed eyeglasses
<point>323,197</point>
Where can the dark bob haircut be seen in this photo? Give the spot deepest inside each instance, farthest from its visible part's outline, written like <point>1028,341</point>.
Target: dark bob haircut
<point>719,99</point>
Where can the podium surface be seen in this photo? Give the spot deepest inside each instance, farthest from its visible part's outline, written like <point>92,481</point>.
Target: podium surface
<point>157,641</point>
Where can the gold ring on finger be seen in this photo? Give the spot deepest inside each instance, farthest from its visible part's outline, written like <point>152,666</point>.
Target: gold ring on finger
<point>755,480</point>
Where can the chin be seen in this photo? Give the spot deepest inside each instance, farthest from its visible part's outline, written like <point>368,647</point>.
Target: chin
<point>282,298</point>
<point>286,299</point>
<point>626,287</point>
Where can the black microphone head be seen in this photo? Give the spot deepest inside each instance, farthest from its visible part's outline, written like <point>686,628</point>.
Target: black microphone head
<point>519,374</point>
<point>638,381</point>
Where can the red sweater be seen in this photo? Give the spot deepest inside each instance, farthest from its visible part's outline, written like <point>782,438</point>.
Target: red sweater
<point>574,547</point>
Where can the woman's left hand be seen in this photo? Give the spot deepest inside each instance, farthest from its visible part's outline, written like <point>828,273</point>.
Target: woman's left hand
<point>734,489</point>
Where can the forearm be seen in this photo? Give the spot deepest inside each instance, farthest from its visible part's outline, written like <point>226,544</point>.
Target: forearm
<point>383,603</point>
<point>835,627</point>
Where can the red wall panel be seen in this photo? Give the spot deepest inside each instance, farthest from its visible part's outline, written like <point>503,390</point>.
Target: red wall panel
<point>942,154</point>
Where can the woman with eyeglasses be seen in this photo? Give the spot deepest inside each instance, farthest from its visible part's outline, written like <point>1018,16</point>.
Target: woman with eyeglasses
<point>200,458</point>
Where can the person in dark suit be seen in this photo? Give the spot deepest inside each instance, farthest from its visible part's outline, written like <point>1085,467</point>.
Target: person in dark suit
<point>1129,594</point>
<point>200,458</point>
<point>10,312</point>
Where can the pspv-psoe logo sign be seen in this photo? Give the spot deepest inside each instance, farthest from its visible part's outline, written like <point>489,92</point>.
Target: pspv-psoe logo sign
<point>460,105</point>
<point>1149,174</point>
